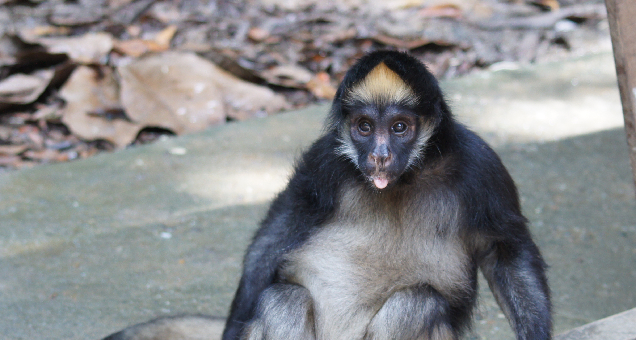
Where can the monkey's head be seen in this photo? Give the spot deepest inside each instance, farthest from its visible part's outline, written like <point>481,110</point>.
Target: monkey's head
<point>385,111</point>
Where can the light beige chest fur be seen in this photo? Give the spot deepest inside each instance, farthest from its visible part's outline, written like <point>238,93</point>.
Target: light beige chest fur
<point>372,248</point>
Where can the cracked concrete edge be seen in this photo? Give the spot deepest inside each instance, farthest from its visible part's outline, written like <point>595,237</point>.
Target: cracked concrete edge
<point>621,326</point>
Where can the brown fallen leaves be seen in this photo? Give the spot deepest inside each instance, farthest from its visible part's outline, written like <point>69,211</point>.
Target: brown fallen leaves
<point>24,88</point>
<point>112,90</point>
<point>77,77</point>
<point>177,91</point>
<point>183,93</point>
<point>92,96</point>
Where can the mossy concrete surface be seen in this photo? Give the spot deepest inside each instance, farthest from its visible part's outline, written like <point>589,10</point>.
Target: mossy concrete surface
<point>89,247</point>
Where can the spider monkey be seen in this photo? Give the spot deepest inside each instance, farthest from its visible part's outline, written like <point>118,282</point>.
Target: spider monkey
<point>385,223</point>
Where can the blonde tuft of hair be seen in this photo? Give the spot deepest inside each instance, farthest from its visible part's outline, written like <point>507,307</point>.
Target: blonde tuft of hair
<point>382,86</point>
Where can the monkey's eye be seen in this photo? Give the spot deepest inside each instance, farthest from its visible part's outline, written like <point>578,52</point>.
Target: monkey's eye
<point>364,127</point>
<point>399,127</point>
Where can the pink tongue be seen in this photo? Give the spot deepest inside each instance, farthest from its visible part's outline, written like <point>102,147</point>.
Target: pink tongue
<point>380,182</point>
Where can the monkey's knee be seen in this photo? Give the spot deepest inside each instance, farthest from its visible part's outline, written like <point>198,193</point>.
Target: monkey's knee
<point>415,313</point>
<point>284,311</point>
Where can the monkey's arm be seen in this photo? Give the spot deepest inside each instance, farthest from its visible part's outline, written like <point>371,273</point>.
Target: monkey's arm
<point>260,265</point>
<point>515,273</point>
<point>252,283</point>
<point>306,202</point>
<point>509,259</point>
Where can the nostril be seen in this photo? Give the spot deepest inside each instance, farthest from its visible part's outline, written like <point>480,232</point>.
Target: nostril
<point>387,160</point>
<point>373,159</point>
<point>380,160</point>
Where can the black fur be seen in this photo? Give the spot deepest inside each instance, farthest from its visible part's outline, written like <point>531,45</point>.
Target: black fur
<point>308,200</point>
<point>453,167</point>
<point>492,225</point>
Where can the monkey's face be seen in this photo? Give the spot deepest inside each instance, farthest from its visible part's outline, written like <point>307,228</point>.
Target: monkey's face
<point>382,133</point>
<point>382,141</point>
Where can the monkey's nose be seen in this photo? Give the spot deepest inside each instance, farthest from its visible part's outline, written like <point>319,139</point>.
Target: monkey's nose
<point>381,157</point>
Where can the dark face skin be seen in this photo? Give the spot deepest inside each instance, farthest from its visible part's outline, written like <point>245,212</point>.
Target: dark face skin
<point>383,139</point>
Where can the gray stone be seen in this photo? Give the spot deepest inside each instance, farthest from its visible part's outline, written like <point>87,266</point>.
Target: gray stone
<point>89,247</point>
<point>615,327</point>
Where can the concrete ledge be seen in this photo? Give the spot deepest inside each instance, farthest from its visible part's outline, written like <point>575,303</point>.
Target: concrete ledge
<point>616,327</point>
<point>90,247</point>
<point>621,326</point>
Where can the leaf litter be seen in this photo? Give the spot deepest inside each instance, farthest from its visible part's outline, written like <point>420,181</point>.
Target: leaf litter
<point>81,77</point>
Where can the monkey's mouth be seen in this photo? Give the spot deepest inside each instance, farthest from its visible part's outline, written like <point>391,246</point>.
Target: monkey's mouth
<point>380,180</point>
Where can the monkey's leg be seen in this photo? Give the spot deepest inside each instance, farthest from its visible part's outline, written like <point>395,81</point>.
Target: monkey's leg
<point>284,311</point>
<point>415,313</point>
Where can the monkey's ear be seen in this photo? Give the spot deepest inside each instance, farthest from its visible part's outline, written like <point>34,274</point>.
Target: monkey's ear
<point>336,117</point>
<point>441,110</point>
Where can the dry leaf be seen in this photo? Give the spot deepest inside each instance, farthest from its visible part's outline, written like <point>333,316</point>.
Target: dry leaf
<point>257,34</point>
<point>87,92</point>
<point>24,89</point>
<point>45,155</point>
<point>441,11</point>
<point>88,48</point>
<point>118,3</point>
<point>171,91</point>
<point>135,47</point>
<point>47,112</point>
<point>321,87</point>
<point>133,30</point>
<point>552,5</point>
<point>183,92</point>
<point>403,44</point>
<point>288,76</point>
<point>340,34</point>
<point>32,34</point>
<point>165,11</point>
<point>11,160</point>
<point>10,150</point>
<point>164,37</point>
<point>138,47</point>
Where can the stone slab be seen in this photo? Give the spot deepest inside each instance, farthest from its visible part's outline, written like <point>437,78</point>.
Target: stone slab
<point>89,247</point>
<point>616,327</point>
